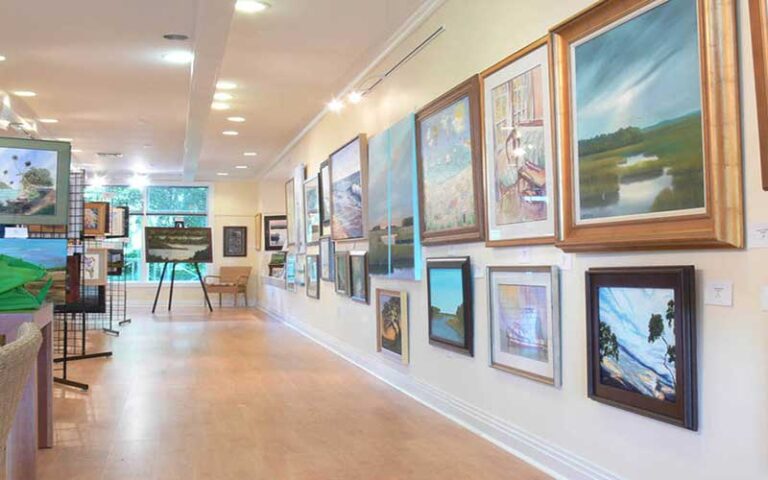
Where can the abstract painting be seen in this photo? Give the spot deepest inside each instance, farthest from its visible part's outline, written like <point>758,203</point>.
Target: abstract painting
<point>525,321</point>
<point>178,245</point>
<point>641,329</point>
<point>49,254</point>
<point>393,216</point>
<point>520,183</point>
<point>235,241</point>
<point>327,259</point>
<point>275,232</point>
<point>312,210</point>
<point>450,166</point>
<point>313,281</point>
<point>347,173</point>
<point>358,276</point>
<point>342,273</point>
<point>95,219</point>
<point>325,199</point>
<point>392,323</point>
<point>449,290</point>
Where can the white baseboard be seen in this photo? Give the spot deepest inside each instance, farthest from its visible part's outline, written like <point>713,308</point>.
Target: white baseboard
<point>551,459</point>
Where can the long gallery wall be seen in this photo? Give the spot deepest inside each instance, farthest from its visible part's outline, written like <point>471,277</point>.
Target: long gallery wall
<point>721,426</point>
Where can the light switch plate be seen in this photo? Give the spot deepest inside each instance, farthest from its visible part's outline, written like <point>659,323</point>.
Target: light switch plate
<point>757,235</point>
<point>719,292</point>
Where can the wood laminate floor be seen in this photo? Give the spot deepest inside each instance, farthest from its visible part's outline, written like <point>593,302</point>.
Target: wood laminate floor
<point>235,395</point>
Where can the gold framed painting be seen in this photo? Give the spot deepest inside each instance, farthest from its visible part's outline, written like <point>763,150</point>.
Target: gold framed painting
<point>649,118</point>
<point>95,219</point>
<point>758,20</point>
<point>259,225</point>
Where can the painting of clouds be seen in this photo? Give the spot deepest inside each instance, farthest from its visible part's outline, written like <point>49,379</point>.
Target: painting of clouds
<point>638,116</point>
<point>347,192</point>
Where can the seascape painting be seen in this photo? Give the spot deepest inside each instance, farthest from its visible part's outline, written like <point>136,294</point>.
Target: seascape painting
<point>28,181</point>
<point>347,192</point>
<point>637,340</point>
<point>301,270</point>
<point>290,272</point>
<point>447,175</point>
<point>312,209</point>
<point>49,254</point>
<point>178,245</point>
<point>638,117</point>
<point>523,323</point>
<point>446,309</point>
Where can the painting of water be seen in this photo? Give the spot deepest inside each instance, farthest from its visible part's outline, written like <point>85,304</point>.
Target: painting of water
<point>347,192</point>
<point>179,245</point>
<point>446,292</point>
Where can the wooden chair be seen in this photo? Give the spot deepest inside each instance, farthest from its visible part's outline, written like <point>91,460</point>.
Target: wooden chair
<point>232,280</point>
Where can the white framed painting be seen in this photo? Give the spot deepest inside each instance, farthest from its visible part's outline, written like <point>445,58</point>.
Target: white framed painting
<point>95,267</point>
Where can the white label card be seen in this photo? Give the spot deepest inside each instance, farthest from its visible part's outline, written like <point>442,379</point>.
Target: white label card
<point>719,293</point>
<point>16,232</point>
<point>757,235</point>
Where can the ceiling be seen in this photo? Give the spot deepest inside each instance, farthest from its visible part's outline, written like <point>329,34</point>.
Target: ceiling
<point>97,68</point>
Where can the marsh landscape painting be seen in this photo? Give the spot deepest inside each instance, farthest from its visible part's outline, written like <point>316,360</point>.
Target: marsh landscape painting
<point>49,254</point>
<point>178,245</point>
<point>28,182</point>
<point>450,304</point>
<point>347,192</point>
<point>638,117</point>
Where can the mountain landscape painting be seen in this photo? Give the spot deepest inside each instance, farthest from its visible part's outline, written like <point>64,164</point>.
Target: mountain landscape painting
<point>347,192</point>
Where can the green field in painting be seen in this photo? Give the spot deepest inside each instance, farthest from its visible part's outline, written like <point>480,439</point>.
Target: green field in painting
<point>678,146</point>
<point>402,250</point>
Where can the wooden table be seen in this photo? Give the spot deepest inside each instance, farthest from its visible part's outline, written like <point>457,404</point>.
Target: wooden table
<point>33,425</point>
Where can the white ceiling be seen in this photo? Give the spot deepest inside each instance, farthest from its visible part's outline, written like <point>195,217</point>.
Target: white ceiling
<point>96,66</point>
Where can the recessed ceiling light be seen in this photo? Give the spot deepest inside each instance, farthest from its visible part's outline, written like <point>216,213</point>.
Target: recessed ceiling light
<point>220,106</point>
<point>222,96</point>
<point>355,97</point>
<point>225,85</point>
<point>252,6</point>
<point>249,154</point>
<point>335,105</point>
<point>179,57</point>
<point>48,120</point>
<point>242,167</point>
<point>64,139</point>
<point>176,36</point>
<point>24,93</point>
<point>222,174</point>
<point>2,58</point>
<point>236,119</point>
<point>230,133</point>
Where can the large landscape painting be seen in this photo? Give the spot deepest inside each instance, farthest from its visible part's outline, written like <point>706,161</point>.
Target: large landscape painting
<point>49,254</point>
<point>638,117</point>
<point>347,192</point>
<point>179,245</point>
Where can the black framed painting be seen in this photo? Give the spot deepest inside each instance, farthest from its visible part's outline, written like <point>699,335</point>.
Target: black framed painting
<point>275,232</point>
<point>449,291</point>
<point>641,341</point>
<point>235,241</point>
<point>341,260</point>
<point>358,276</point>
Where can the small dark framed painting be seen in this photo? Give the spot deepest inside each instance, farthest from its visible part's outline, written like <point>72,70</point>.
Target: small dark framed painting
<point>641,341</point>
<point>235,241</point>
<point>326,259</point>
<point>449,291</point>
<point>342,273</point>
<point>95,219</point>
<point>275,232</point>
<point>358,275</point>
<point>313,280</point>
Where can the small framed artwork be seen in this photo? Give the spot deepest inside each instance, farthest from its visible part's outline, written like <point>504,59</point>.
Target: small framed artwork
<point>299,176</point>
<point>115,261</point>
<point>449,291</point>
<point>301,270</point>
<point>524,308</point>
<point>327,259</point>
<point>95,219</point>
<point>758,20</point>
<point>313,279</point>
<point>235,241</point>
<point>641,341</point>
<point>94,271</point>
<point>325,199</point>
<point>258,226</point>
<point>450,167</point>
<point>392,323</point>
<point>520,168</point>
<point>275,232</point>
<point>348,173</point>
<point>341,260</point>
<point>651,166</point>
<point>290,212</point>
<point>358,275</point>
<point>118,222</point>
<point>290,272</point>
<point>312,209</point>
<point>74,268</point>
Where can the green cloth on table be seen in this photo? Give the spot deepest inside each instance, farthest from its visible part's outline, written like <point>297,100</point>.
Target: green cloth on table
<point>14,274</point>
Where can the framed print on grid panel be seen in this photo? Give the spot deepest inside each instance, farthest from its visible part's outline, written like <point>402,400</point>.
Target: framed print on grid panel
<point>657,165</point>
<point>348,171</point>
<point>520,173</point>
<point>392,324</point>
<point>524,313</point>
<point>758,21</point>
<point>450,167</point>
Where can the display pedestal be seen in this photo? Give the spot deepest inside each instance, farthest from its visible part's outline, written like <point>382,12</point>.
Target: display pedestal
<point>173,278</point>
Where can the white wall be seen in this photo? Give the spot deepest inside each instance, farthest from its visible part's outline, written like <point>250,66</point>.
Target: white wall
<point>732,441</point>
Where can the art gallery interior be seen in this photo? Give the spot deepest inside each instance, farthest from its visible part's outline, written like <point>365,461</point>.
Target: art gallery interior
<point>384,239</point>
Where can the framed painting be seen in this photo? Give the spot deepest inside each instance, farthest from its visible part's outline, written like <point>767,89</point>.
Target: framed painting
<point>450,167</point>
<point>178,245</point>
<point>641,341</point>
<point>392,324</point>
<point>325,199</point>
<point>299,176</point>
<point>275,232</point>
<point>348,172</point>
<point>258,226</point>
<point>341,274</point>
<point>327,259</point>
<point>449,292</point>
<point>312,220</point>
<point>48,254</point>
<point>524,312</point>
<point>290,213</point>
<point>313,279</point>
<point>235,241</point>
<point>95,270</point>
<point>301,270</point>
<point>358,276</point>
<point>521,185</point>
<point>34,182</point>
<point>650,126</point>
<point>118,222</point>
<point>290,272</point>
<point>758,20</point>
<point>95,219</point>
<point>115,262</point>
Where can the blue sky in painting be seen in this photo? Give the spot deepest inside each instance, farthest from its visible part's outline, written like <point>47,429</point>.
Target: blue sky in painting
<point>445,289</point>
<point>378,151</point>
<point>346,161</point>
<point>11,169</point>
<point>42,252</point>
<point>446,142</point>
<point>402,143</point>
<point>639,73</point>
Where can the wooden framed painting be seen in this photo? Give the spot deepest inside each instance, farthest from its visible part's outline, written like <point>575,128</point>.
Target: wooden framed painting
<point>341,274</point>
<point>450,314</point>
<point>95,271</point>
<point>348,172</point>
<point>327,259</point>
<point>524,312</point>
<point>392,324</point>
<point>258,226</point>
<point>275,232</point>
<point>118,222</point>
<point>290,213</point>
<point>358,276</point>
<point>650,126</point>
<point>325,199</point>
<point>115,262</point>
<point>521,184</point>
<point>758,20</point>
<point>312,220</point>
<point>290,272</point>
<point>178,245</point>
<point>313,279</point>
<point>641,341</point>
<point>95,219</point>
<point>235,241</point>
<point>450,167</point>
<point>34,182</point>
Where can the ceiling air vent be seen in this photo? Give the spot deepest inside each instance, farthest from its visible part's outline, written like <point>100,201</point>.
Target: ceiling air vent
<point>110,154</point>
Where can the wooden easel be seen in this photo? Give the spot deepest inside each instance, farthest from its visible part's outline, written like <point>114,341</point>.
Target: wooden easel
<point>173,278</point>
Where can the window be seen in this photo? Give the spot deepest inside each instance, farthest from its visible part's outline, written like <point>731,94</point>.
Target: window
<point>155,206</point>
